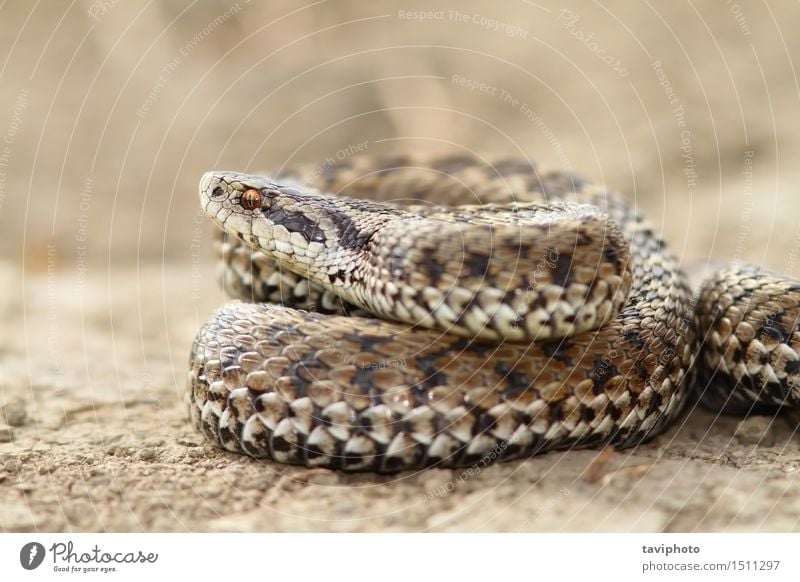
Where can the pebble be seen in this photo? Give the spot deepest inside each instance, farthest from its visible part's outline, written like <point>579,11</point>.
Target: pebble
<point>6,433</point>
<point>14,413</point>
<point>756,430</point>
<point>146,455</point>
<point>187,443</point>
<point>327,478</point>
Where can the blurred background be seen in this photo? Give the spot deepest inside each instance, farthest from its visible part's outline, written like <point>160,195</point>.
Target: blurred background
<point>114,109</point>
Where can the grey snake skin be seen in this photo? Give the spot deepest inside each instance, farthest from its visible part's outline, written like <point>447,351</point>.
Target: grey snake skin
<point>403,312</point>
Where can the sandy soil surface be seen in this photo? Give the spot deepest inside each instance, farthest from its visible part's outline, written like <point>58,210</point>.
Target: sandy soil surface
<point>100,446</point>
<point>110,111</point>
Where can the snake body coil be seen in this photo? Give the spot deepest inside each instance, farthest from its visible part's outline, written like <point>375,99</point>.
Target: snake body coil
<point>535,311</point>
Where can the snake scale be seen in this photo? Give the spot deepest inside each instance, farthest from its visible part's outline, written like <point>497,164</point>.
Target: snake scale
<point>409,311</point>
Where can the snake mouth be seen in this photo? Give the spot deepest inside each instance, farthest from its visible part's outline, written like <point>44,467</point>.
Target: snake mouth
<point>220,197</point>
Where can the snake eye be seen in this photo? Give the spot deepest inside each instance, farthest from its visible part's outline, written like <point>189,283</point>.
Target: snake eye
<point>251,199</point>
<point>217,192</point>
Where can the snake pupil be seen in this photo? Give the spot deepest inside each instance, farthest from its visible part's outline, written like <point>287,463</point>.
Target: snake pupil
<point>251,199</point>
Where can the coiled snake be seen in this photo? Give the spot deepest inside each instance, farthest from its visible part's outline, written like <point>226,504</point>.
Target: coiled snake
<point>535,312</point>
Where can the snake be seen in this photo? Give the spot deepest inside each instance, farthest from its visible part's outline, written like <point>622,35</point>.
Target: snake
<point>403,311</point>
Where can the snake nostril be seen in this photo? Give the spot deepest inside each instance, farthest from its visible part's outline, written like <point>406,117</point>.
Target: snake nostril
<point>217,192</point>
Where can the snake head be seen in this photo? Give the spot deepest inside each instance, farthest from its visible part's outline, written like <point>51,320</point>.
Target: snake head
<point>282,220</point>
<point>233,199</point>
<point>249,206</point>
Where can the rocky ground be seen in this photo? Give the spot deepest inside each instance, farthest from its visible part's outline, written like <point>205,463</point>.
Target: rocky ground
<point>93,437</point>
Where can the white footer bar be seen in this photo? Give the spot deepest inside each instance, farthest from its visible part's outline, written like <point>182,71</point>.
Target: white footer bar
<point>399,557</point>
